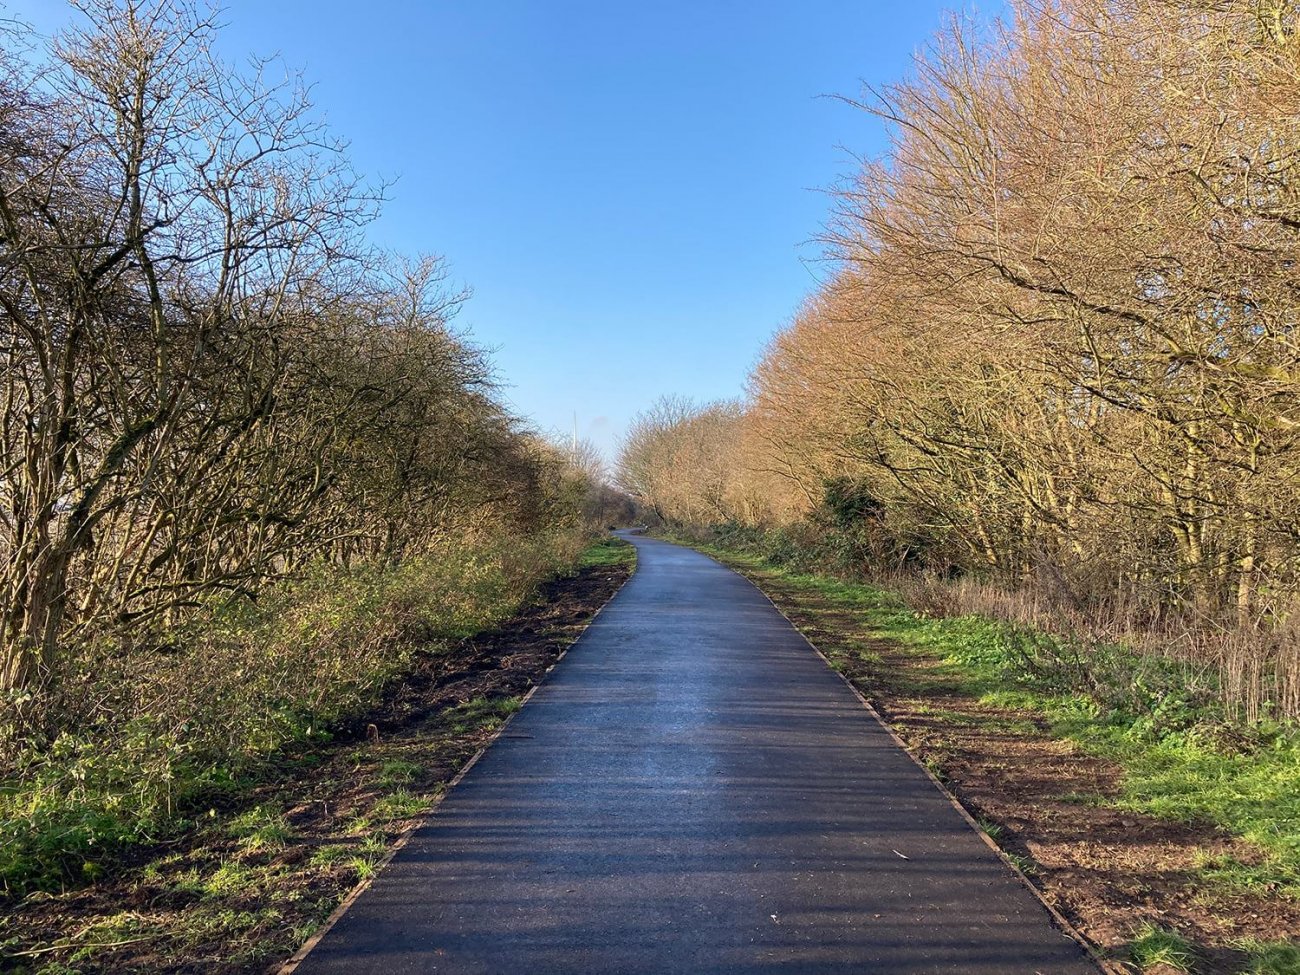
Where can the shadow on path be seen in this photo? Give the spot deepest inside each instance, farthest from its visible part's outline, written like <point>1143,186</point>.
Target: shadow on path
<point>693,790</point>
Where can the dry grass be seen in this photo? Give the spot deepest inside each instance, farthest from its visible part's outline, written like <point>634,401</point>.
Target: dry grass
<point>1139,809</point>
<point>148,734</point>
<point>260,869</point>
<point>1252,671</point>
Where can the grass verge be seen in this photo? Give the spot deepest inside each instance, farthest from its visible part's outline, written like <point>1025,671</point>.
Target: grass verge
<point>1168,835</point>
<point>252,874</point>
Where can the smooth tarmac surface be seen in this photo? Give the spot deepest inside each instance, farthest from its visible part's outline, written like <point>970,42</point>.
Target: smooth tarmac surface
<point>693,791</point>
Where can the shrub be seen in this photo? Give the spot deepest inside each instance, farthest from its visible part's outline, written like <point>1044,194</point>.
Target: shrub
<point>160,734</point>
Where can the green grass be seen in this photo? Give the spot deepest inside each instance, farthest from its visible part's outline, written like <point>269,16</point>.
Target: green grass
<point>1023,863</point>
<point>993,830</point>
<point>396,771</point>
<point>399,805</point>
<point>231,878</point>
<point>260,828</point>
<point>1272,876</point>
<point>608,551</point>
<point>247,682</point>
<point>1152,946</point>
<point>331,854</point>
<point>481,713</point>
<point>1272,958</point>
<point>1182,760</point>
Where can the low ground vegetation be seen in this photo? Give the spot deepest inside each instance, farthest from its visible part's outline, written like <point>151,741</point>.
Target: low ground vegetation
<point>1160,826</point>
<point>1055,352</point>
<point>156,742</point>
<point>243,874</point>
<point>1033,446</point>
<point>253,480</point>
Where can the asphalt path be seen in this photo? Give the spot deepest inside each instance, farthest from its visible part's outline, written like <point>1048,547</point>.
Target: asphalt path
<point>693,790</point>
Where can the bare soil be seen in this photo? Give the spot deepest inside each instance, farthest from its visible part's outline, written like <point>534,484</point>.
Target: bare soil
<point>217,903</point>
<point>224,898</point>
<point>1044,802</point>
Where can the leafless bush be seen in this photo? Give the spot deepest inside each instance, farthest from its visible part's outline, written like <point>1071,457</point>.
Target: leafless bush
<point>1058,353</point>
<point>210,381</point>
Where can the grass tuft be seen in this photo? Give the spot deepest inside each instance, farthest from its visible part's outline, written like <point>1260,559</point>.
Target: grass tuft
<point>482,714</point>
<point>260,828</point>
<point>396,771</point>
<point>1024,864</point>
<point>991,829</point>
<point>399,805</point>
<point>1153,945</point>
<point>608,551</point>
<point>1272,957</point>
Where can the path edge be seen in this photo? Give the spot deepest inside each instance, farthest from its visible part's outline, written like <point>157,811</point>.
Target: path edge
<point>291,964</point>
<point>1103,964</point>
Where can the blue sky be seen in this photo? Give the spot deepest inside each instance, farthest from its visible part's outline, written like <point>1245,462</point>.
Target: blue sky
<point>629,188</point>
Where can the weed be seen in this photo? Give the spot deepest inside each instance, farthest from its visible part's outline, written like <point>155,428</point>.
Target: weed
<point>260,828</point>
<point>299,933</point>
<point>396,771</point>
<point>188,882</point>
<point>110,931</point>
<point>398,805</point>
<point>935,765</point>
<point>482,713</point>
<point>368,854</point>
<point>359,825</point>
<point>330,854</point>
<point>1152,945</point>
<point>1024,864</point>
<point>230,878</point>
<point>1272,957</point>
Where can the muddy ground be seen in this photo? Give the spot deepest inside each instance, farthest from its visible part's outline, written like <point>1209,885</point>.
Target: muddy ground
<point>264,868</point>
<point>1044,802</point>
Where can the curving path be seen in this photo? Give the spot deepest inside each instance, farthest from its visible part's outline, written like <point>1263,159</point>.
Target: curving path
<point>694,791</point>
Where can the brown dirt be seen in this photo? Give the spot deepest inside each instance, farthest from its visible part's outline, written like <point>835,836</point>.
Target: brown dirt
<point>217,903</point>
<point>1106,870</point>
